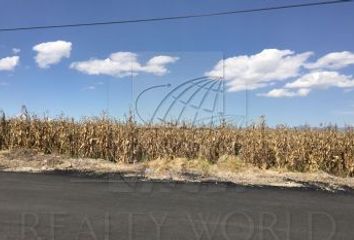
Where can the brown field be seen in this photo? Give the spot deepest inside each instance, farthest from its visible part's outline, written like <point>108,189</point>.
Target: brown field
<point>327,149</point>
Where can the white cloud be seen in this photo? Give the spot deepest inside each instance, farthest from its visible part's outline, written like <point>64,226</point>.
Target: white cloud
<point>16,50</point>
<point>282,92</point>
<point>121,64</point>
<point>9,63</point>
<point>335,60</point>
<point>118,64</point>
<point>323,80</point>
<point>50,53</point>
<point>313,80</point>
<point>259,70</point>
<point>157,65</point>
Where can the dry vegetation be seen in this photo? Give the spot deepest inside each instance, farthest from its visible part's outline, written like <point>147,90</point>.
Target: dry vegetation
<point>328,149</point>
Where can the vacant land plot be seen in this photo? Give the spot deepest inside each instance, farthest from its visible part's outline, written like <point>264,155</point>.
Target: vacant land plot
<point>306,149</point>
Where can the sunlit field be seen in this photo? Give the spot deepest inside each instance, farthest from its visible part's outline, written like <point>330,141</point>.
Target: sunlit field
<point>329,149</point>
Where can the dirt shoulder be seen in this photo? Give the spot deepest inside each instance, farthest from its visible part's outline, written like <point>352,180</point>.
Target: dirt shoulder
<point>227,169</point>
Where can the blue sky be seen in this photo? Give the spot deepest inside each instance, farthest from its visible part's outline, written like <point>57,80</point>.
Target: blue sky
<point>297,63</point>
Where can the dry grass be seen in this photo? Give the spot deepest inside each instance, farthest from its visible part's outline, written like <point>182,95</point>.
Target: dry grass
<point>28,160</point>
<point>329,149</point>
<point>198,168</point>
<point>228,168</point>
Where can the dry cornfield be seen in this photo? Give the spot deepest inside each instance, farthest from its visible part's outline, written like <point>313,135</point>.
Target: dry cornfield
<point>328,149</point>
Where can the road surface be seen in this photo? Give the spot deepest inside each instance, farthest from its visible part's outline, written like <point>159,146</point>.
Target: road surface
<point>66,206</point>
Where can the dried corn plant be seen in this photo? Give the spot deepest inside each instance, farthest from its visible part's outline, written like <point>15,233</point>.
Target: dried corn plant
<point>329,149</point>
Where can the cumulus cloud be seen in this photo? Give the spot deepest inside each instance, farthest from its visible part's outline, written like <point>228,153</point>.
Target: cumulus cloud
<point>313,80</point>
<point>272,66</point>
<point>333,61</point>
<point>323,80</point>
<point>50,53</point>
<point>118,64</point>
<point>9,63</point>
<point>16,50</point>
<point>283,92</point>
<point>259,70</point>
<point>121,64</point>
<point>157,65</point>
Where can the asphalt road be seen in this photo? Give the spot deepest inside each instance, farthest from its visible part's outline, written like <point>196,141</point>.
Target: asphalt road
<point>58,206</point>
